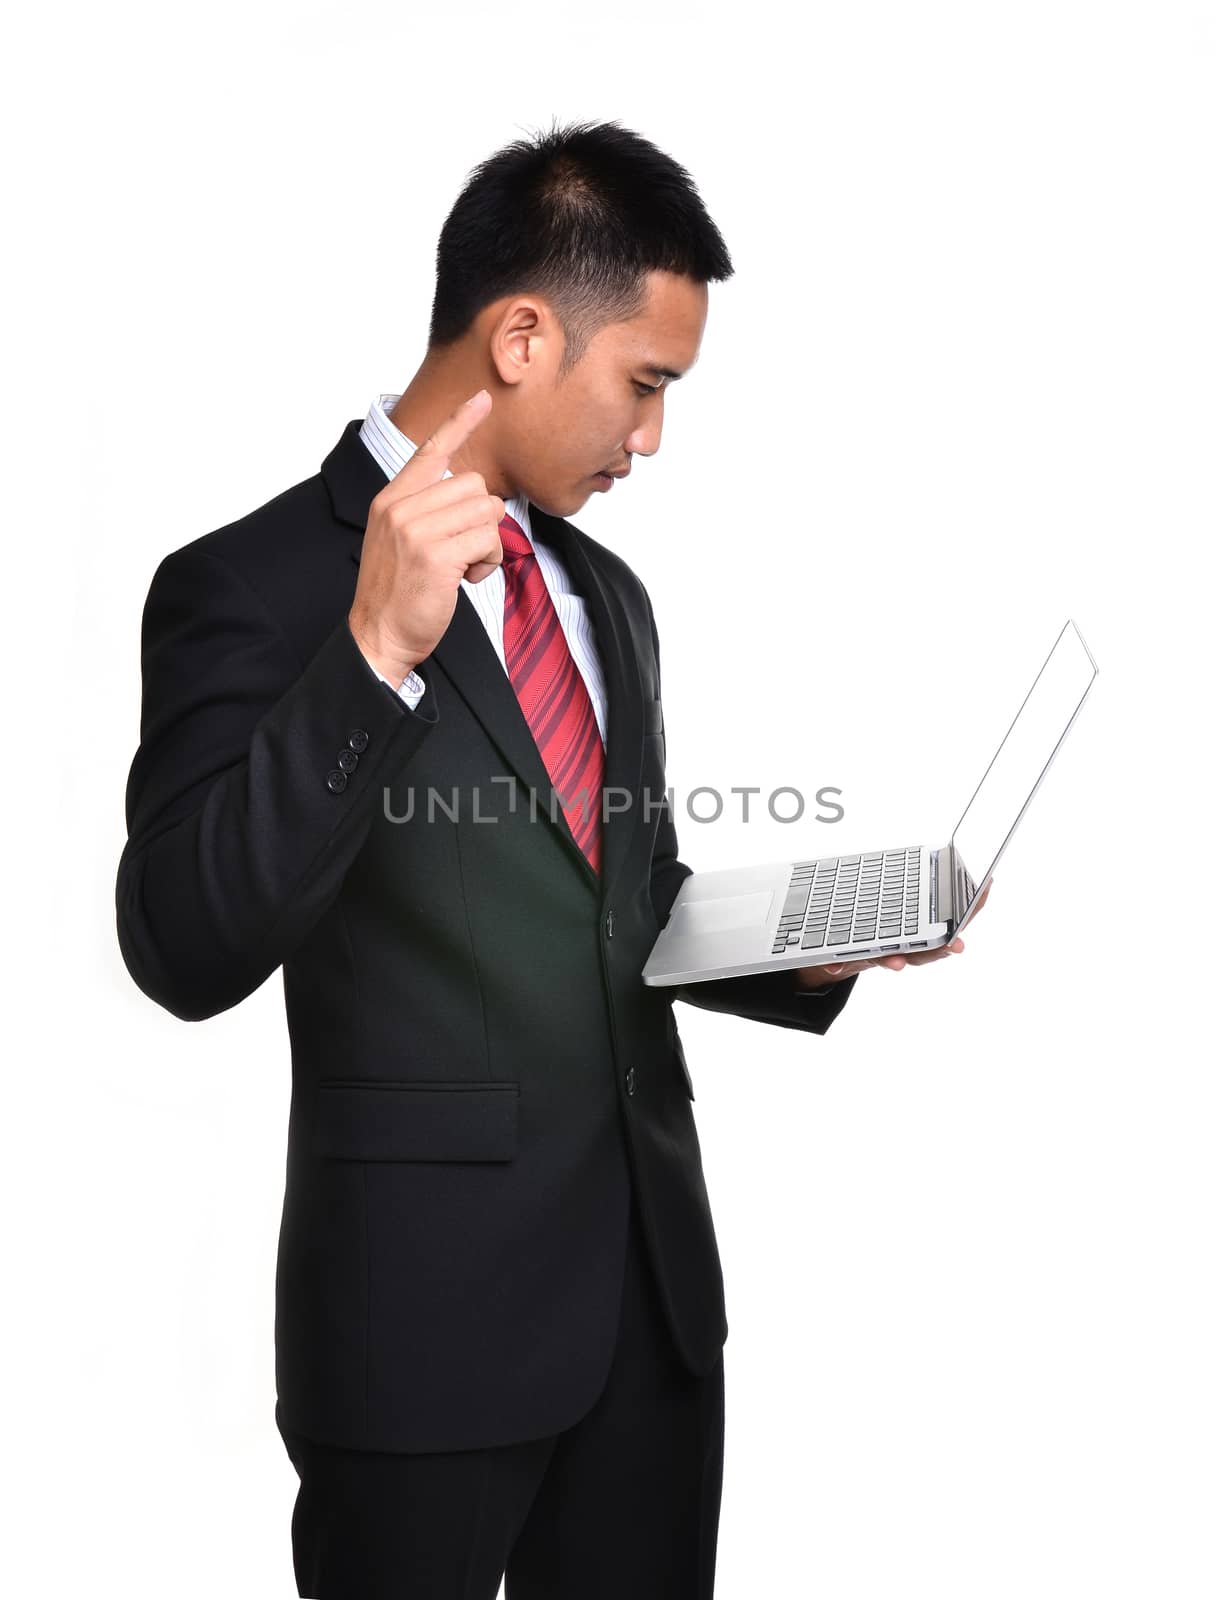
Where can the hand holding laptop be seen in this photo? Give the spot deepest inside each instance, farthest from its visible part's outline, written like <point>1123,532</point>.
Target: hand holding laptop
<point>822,977</point>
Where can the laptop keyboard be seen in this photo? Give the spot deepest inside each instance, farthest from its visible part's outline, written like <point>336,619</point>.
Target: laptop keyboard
<point>850,900</point>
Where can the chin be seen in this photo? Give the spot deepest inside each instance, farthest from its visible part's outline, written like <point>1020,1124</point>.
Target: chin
<point>566,507</point>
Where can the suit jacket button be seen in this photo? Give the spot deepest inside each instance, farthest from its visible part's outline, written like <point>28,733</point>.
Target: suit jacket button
<point>348,760</point>
<point>336,781</point>
<point>630,1080</point>
<point>357,739</point>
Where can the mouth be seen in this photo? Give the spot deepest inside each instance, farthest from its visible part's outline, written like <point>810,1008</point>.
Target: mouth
<point>605,480</point>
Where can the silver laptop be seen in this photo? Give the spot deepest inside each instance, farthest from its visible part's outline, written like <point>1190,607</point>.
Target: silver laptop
<point>834,908</point>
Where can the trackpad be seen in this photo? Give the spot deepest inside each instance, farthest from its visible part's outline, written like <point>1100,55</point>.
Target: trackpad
<point>722,915</point>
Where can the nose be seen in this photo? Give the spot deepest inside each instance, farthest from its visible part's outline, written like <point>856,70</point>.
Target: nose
<point>645,440</point>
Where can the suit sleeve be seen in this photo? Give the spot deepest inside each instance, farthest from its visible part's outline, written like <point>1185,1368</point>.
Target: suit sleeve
<point>241,822</point>
<point>759,996</point>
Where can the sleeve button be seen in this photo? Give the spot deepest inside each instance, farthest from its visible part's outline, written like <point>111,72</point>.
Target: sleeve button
<point>348,760</point>
<point>357,740</point>
<point>336,781</point>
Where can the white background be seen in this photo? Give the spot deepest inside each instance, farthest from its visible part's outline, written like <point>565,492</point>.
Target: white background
<point>962,385</point>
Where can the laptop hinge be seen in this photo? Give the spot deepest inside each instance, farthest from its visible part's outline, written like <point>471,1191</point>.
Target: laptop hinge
<point>941,885</point>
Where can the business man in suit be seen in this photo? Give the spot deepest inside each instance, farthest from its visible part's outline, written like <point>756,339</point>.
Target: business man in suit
<point>499,1305</point>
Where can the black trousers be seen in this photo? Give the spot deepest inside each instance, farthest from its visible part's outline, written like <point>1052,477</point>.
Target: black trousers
<point>623,1505</point>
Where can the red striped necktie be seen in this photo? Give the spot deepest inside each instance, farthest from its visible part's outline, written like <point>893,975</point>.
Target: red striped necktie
<point>552,693</point>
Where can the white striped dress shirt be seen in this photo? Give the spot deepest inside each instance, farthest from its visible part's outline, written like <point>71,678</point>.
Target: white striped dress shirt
<point>391,449</point>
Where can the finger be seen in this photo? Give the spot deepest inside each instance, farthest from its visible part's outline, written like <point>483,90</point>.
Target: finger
<point>477,547</point>
<point>430,461</point>
<point>893,963</point>
<point>453,432</point>
<point>480,570</point>
<point>843,969</point>
<point>846,969</point>
<point>472,513</point>
<point>435,496</point>
<point>938,954</point>
<point>813,977</point>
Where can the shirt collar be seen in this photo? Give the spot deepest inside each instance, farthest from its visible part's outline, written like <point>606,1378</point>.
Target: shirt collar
<point>391,449</point>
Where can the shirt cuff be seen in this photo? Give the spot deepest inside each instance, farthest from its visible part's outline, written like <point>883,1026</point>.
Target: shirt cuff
<point>411,689</point>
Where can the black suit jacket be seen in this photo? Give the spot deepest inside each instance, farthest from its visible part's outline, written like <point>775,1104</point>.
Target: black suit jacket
<point>478,1072</point>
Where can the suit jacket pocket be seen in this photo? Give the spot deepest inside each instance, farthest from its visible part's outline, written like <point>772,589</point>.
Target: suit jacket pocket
<point>398,1121</point>
<point>653,717</point>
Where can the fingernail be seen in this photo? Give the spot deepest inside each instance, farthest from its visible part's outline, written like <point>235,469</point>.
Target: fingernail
<point>475,398</point>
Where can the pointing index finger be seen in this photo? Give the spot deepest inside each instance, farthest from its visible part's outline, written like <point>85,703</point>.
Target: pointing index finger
<point>453,432</point>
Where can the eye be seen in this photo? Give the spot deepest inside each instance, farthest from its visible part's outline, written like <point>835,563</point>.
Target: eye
<point>646,388</point>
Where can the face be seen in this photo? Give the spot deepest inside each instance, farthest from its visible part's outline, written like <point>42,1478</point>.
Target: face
<point>554,436</point>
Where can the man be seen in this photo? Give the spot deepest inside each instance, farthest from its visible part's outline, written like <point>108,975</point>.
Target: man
<point>499,1314</point>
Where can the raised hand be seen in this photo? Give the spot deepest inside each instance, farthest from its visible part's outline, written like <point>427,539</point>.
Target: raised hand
<point>425,533</point>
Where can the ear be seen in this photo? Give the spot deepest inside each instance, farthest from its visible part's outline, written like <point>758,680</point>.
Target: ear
<point>525,339</point>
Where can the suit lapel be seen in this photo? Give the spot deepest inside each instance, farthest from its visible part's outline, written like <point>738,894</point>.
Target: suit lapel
<point>467,658</point>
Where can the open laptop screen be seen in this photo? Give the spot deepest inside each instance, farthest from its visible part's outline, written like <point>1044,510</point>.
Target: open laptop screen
<point>1018,766</point>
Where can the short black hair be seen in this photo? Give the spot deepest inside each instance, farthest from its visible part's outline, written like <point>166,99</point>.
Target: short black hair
<point>579,215</point>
